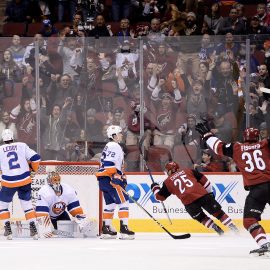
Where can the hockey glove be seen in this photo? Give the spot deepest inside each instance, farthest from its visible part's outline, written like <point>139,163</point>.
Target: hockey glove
<point>204,130</point>
<point>117,180</point>
<point>124,180</point>
<point>155,188</point>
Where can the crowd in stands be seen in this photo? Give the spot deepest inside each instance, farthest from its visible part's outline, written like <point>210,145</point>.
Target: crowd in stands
<point>187,60</point>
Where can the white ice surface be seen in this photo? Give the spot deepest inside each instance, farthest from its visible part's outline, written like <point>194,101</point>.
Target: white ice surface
<point>147,251</point>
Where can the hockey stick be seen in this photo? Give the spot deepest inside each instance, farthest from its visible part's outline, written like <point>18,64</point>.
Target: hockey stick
<point>150,174</point>
<point>184,143</point>
<point>182,236</point>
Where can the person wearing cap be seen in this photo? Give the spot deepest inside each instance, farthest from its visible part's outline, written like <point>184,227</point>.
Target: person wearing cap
<point>93,126</point>
<point>254,27</point>
<point>264,133</point>
<point>232,24</point>
<point>210,163</point>
<point>192,29</point>
<point>221,128</point>
<point>48,30</point>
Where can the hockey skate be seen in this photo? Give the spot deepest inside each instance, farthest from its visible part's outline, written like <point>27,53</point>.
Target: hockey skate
<point>33,230</point>
<point>264,250</point>
<point>233,228</point>
<point>218,230</point>
<point>8,231</point>
<point>126,234</point>
<point>108,232</point>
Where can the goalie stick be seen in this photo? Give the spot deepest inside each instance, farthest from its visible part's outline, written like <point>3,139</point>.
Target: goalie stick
<point>182,236</point>
<point>150,174</point>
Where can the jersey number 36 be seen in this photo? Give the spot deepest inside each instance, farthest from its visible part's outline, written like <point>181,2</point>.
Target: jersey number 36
<point>253,161</point>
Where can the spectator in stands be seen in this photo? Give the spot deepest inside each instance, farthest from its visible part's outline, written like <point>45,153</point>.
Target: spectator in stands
<point>59,93</point>
<point>213,18</point>
<point>264,131</point>
<point>264,75</point>
<point>187,133</point>
<point>192,28</point>
<point>100,29</point>
<point>240,12</point>
<point>210,163</point>
<point>120,9</point>
<point>261,14</point>
<point>66,5</point>
<point>133,132</point>
<point>118,118</point>
<point>124,33</point>
<point>24,115</point>
<point>255,28</point>
<point>16,11</point>
<point>90,9</point>
<point>207,48</point>
<point>196,100</point>
<point>232,24</point>
<point>48,30</point>
<point>9,70</point>
<point>93,126</point>
<point>29,55</point>
<point>72,54</point>
<point>226,91</point>
<point>219,126</point>
<point>75,30</point>
<point>53,127</point>
<point>6,123</point>
<point>17,50</point>
<point>155,35</point>
<point>166,105</point>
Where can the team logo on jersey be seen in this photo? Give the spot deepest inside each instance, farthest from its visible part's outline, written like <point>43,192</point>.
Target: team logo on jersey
<point>58,208</point>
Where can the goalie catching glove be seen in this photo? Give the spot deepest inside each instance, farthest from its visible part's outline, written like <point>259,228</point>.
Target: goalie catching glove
<point>204,130</point>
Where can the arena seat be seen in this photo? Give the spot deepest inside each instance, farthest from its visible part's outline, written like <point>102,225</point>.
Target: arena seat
<point>132,158</point>
<point>181,156</point>
<point>33,28</point>
<point>14,28</point>
<point>157,157</point>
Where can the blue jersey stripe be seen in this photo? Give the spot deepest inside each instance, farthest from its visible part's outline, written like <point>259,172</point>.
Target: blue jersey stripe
<point>35,157</point>
<point>73,205</point>
<point>42,209</point>
<point>107,163</point>
<point>16,177</point>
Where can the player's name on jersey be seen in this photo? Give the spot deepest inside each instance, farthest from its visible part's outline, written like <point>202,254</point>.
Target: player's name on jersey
<point>172,210</point>
<point>10,148</point>
<point>248,147</point>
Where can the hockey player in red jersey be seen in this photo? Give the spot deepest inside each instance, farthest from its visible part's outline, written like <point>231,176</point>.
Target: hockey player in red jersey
<point>252,160</point>
<point>195,192</point>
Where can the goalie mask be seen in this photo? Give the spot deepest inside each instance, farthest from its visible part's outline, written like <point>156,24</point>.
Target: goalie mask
<point>54,180</point>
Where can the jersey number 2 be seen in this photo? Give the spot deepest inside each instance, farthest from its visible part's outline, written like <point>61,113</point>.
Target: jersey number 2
<point>13,164</point>
<point>182,183</point>
<point>251,158</point>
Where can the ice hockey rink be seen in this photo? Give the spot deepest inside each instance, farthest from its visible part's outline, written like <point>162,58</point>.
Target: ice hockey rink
<point>147,251</point>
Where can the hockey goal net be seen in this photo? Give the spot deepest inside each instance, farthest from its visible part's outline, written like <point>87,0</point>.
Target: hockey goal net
<point>80,175</point>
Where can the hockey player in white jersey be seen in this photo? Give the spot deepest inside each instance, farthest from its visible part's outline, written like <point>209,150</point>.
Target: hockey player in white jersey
<point>57,199</point>
<point>112,181</point>
<point>16,162</point>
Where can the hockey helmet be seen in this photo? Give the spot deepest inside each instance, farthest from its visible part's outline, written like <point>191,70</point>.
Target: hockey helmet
<point>251,135</point>
<point>171,167</point>
<point>54,180</point>
<point>7,135</point>
<point>113,130</point>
